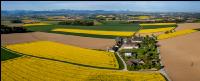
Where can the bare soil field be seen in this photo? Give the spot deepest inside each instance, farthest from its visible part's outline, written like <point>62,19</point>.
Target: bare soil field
<point>183,26</point>
<point>181,57</point>
<point>84,42</point>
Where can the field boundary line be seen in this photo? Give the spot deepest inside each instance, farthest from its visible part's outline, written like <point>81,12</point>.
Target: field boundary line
<point>60,60</point>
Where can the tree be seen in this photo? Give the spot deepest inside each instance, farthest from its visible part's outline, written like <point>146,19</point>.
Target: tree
<point>78,22</point>
<point>7,29</point>
<point>16,21</point>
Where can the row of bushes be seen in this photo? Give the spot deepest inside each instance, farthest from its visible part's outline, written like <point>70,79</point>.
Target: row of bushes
<point>78,22</point>
<point>16,21</point>
<point>7,29</point>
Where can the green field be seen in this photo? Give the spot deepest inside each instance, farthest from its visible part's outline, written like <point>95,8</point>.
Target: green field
<point>48,29</point>
<point>106,26</point>
<point>5,55</point>
<point>158,26</point>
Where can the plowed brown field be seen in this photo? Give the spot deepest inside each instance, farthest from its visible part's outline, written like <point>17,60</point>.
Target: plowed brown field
<point>184,26</point>
<point>84,42</point>
<point>181,57</point>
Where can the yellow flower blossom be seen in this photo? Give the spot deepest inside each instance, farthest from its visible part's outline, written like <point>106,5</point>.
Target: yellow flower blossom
<point>67,53</point>
<point>149,24</point>
<point>113,33</point>
<point>36,24</point>
<point>36,69</point>
<point>156,30</point>
<point>174,34</point>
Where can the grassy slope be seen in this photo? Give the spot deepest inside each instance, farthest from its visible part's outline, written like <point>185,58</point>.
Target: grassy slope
<point>5,55</point>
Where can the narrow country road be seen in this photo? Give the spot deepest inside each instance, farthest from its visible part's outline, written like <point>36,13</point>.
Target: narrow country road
<point>163,72</point>
<point>125,66</point>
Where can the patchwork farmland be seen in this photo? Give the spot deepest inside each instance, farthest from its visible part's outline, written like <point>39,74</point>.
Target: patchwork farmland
<point>100,41</point>
<point>83,53</point>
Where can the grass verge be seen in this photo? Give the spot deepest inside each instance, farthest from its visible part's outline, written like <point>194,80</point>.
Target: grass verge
<point>6,55</point>
<point>121,65</point>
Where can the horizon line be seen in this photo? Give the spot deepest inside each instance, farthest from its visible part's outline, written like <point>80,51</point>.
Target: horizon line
<point>102,10</point>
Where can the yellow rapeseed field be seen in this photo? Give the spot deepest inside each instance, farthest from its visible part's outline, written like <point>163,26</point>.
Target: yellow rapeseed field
<point>67,53</point>
<point>36,24</point>
<point>144,17</point>
<point>156,30</point>
<point>96,32</point>
<point>113,33</point>
<point>174,34</point>
<point>36,69</point>
<point>149,24</point>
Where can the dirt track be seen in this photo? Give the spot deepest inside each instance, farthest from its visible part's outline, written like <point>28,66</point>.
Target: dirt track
<point>181,57</point>
<point>85,42</point>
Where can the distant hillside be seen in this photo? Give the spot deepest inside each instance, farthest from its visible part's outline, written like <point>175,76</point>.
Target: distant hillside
<point>82,12</point>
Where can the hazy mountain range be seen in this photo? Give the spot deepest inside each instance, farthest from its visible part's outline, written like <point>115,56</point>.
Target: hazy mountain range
<point>67,11</point>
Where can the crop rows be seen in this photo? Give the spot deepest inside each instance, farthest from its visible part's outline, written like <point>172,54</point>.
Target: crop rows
<point>67,53</point>
<point>36,69</point>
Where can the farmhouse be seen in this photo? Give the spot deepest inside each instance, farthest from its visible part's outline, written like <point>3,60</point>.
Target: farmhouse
<point>131,43</point>
<point>130,46</point>
<point>107,18</point>
<point>128,54</point>
<point>135,62</point>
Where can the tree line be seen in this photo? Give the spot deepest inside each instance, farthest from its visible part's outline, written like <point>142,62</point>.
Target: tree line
<point>15,29</point>
<point>78,22</point>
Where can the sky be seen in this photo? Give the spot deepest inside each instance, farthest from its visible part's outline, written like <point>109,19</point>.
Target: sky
<point>149,6</point>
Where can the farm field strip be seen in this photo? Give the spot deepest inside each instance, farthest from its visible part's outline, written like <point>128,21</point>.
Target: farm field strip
<point>36,69</point>
<point>113,33</point>
<point>67,53</point>
<point>36,24</point>
<point>177,33</point>
<point>144,17</point>
<point>90,43</point>
<point>157,24</point>
<point>156,30</point>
